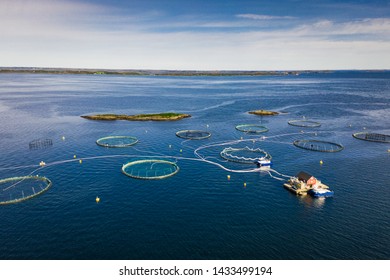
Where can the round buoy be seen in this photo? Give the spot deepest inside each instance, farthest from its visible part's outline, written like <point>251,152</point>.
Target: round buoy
<point>80,161</point>
<point>181,150</point>
<point>244,185</point>
<point>228,177</point>
<point>63,138</point>
<point>170,146</point>
<point>74,156</point>
<point>321,162</point>
<point>97,199</point>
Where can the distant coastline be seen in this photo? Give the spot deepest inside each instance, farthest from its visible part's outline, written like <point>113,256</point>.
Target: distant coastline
<point>134,72</point>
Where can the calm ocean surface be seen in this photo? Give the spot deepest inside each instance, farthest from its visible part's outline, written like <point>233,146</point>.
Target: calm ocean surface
<point>197,213</point>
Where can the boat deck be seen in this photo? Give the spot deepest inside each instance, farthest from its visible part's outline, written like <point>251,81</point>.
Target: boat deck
<point>295,190</point>
<point>301,191</point>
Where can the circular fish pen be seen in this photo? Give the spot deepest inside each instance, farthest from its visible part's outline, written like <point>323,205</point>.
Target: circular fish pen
<point>150,169</point>
<point>117,141</point>
<point>18,189</point>
<point>304,123</point>
<point>373,137</point>
<point>318,146</point>
<point>245,155</point>
<point>252,128</point>
<point>193,134</point>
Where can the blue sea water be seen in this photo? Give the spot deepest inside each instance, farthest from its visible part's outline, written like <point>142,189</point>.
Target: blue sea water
<point>197,213</point>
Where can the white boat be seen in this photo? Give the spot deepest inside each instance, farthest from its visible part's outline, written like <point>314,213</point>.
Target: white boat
<point>264,163</point>
<point>319,192</point>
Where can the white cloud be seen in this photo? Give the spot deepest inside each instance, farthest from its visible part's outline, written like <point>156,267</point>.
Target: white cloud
<point>262,17</point>
<point>41,10</point>
<point>186,50</point>
<point>379,27</point>
<point>68,34</point>
<point>323,24</point>
<point>370,25</point>
<point>44,18</point>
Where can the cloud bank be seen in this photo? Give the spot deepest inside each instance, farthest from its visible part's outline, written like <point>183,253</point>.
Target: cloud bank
<point>58,33</point>
<point>262,17</point>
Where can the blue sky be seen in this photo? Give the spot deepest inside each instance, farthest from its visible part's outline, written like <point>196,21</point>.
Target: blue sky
<point>196,35</point>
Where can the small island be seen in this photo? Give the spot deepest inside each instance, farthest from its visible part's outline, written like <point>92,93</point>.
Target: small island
<point>264,113</point>
<point>141,117</point>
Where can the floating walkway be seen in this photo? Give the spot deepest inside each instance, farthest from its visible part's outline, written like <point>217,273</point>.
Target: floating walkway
<point>318,146</point>
<point>117,141</point>
<point>373,137</point>
<point>150,169</point>
<point>304,123</point>
<point>193,134</point>
<point>18,189</point>
<point>237,155</point>
<point>251,128</point>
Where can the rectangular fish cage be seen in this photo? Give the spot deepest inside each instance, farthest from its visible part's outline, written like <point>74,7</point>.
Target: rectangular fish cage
<point>40,144</point>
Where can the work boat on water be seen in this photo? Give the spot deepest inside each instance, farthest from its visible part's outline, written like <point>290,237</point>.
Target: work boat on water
<point>304,183</point>
<point>321,192</point>
<point>264,163</point>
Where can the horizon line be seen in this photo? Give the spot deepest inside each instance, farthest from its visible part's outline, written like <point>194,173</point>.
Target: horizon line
<point>183,70</point>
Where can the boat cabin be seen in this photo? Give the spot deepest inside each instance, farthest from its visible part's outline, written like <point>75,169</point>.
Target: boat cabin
<point>306,178</point>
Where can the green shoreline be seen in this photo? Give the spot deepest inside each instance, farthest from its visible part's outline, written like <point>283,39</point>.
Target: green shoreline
<point>142,117</point>
<point>135,72</point>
